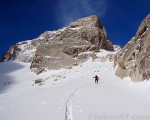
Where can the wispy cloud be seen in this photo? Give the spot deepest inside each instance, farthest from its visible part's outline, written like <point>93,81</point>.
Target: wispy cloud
<point>70,10</point>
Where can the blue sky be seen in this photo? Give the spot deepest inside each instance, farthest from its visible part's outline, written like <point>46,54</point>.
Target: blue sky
<point>26,19</point>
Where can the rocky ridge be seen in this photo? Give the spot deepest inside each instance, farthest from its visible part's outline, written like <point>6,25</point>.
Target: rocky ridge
<point>63,48</point>
<point>134,59</point>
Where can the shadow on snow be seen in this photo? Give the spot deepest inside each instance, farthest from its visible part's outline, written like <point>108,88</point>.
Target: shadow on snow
<point>6,80</point>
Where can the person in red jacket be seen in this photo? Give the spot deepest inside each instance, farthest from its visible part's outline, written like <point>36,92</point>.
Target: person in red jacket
<point>96,79</point>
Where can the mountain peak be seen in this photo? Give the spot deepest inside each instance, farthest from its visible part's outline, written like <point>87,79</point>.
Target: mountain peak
<point>61,48</point>
<point>87,21</point>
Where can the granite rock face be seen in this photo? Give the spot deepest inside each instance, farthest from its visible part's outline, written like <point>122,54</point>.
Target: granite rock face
<point>60,49</point>
<point>134,59</point>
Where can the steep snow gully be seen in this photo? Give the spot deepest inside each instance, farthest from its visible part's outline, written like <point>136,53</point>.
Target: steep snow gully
<point>68,112</point>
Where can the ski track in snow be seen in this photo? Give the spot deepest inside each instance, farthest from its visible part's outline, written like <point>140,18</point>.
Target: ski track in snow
<point>68,112</point>
<point>22,101</point>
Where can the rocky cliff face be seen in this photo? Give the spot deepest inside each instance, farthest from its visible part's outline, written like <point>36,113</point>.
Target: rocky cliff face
<point>134,59</point>
<point>61,48</point>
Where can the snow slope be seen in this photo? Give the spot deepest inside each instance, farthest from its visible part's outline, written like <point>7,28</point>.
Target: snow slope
<point>71,94</point>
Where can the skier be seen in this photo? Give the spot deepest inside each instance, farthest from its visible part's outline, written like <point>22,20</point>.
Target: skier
<point>96,79</point>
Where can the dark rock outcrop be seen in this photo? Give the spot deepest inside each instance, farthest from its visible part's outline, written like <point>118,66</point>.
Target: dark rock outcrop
<point>134,59</point>
<point>5,57</point>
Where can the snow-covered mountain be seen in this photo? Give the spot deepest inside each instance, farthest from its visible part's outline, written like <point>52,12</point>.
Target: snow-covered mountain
<point>62,86</point>
<point>62,48</point>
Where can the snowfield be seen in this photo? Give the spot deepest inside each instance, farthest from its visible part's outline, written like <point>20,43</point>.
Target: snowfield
<point>71,94</point>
